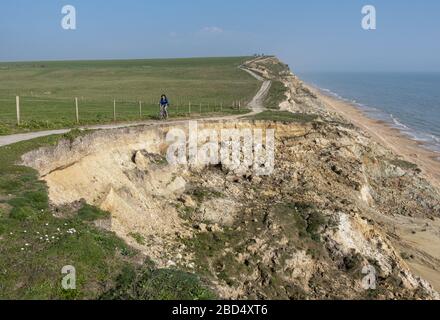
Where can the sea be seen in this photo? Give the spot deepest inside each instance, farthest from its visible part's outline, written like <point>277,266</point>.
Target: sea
<point>409,102</point>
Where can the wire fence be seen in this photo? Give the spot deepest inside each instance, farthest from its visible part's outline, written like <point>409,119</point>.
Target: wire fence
<point>32,112</point>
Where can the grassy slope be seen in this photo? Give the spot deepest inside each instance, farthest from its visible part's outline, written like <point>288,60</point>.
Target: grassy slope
<point>283,116</point>
<point>276,95</point>
<point>47,89</point>
<point>31,263</point>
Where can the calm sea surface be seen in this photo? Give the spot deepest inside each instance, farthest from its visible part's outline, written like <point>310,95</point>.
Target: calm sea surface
<point>407,101</point>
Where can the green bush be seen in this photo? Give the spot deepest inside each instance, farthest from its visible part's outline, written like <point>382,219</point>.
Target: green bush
<point>158,284</point>
<point>91,213</point>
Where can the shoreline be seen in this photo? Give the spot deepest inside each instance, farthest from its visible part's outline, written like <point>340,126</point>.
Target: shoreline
<point>383,133</point>
<point>402,230</point>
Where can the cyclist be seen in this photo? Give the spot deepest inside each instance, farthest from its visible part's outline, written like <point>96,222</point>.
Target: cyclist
<point>164,104</point>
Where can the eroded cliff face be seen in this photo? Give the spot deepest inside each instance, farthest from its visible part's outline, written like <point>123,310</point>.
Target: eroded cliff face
<point>328,212</point>
<point>298,98</point>
<point>303,232</point>
<point>417,236</point>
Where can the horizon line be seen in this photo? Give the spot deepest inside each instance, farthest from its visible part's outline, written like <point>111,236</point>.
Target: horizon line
<point>126,59</point>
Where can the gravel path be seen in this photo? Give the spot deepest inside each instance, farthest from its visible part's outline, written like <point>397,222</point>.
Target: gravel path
<point>256,105</point>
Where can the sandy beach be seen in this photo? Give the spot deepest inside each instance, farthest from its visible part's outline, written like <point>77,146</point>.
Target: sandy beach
<point>407,234</point>
<point>381,132</point>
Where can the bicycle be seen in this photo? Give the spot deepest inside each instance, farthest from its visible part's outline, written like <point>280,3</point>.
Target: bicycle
<point>163,114</point>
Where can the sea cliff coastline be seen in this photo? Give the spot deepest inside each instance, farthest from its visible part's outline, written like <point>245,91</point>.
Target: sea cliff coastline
<point>381,132</point>
<point>401,177</point>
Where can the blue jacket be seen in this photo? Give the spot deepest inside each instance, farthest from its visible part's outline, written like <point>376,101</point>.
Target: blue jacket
<point>163,102</point>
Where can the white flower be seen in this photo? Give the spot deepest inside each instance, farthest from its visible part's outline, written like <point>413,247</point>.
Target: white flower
<point>71,231</point>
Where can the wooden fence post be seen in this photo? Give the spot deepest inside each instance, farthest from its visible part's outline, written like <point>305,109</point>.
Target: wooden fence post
<point>221,106</point>
<point>17,103</point>
<point>189,107</point>
<point>200,108</point>
<point>76,110</point>
<point>114,110</point>
<point>140,109</point>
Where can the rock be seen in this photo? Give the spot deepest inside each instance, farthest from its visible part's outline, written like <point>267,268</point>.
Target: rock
<point>256,179</point>
<point>188,201</point>
<point>141,161</point>
<point>203,227</point>
<point>214,228</point>
<point>171,263</point>
<point>399,172</point>
<point>177,186</point>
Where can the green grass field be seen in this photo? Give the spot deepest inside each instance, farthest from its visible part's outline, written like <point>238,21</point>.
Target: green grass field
<point>283,116</point>
<point>35,245</point>
<point>47,90</point>
<point>276,95</point>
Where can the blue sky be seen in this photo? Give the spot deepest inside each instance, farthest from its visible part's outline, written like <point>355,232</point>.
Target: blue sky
<point>312,35</point>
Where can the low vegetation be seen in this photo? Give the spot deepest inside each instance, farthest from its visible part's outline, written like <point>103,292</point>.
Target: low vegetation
<point>276,95</point>
<point>233,254</point>
<point>284,116</point>
<point>404,164</point>
<point>158,284</point>
<point>276,69</point>
<point>46,102</point>
<point>37,241</point>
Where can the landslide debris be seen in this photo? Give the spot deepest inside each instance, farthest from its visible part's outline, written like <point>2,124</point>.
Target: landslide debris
<point>304,232</point>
